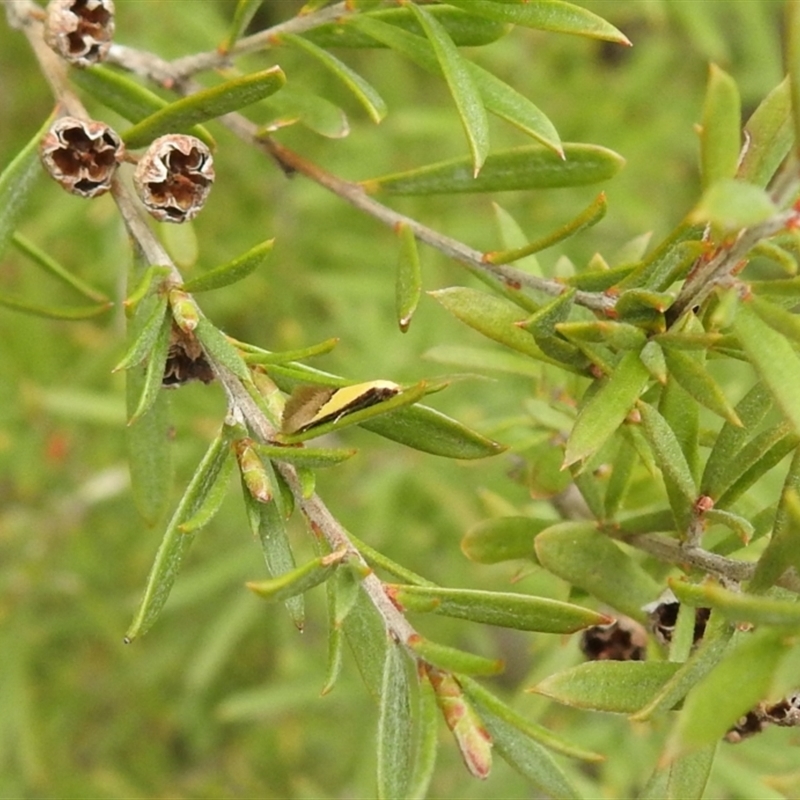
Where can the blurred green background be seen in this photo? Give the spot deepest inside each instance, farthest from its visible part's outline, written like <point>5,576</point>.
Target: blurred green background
<point>221,698</point>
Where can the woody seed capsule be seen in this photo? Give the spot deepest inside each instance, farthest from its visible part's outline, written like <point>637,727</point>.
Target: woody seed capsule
<point>80,31</point>
<point>174,176</point>
<point>82,155</point>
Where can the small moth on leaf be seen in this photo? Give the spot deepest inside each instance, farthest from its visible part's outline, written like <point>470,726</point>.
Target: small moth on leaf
<point>310,406</point>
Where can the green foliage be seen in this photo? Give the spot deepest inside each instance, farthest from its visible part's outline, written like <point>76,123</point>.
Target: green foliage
<point>620,438</point>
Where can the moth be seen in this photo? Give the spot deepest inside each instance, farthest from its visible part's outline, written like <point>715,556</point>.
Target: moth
<point>311,406</point>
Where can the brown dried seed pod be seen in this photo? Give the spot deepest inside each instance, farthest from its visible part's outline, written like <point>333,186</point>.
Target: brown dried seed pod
<point>186,360</point>
<point>82,155</point>
<point>623,640</point>
<point>174,176</point>
<point>80,31</point>
<point>663,615</point>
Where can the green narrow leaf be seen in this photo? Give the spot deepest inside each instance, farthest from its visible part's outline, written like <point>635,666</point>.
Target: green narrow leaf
<point>311,457</point>
<point>377,560</point>
<point>708,654</point>
<point>294,103</point>
<point>618,687</point>
<point>672,462</point>
<point>778,318</point>
<point>751,409</point>
<point>482,358</point>
<point>542,325</point>
<point>528,757</point>
<point>16,182</point>
<point>737,606</point>
<point>462,88</point>
<point>360,5</point>
<point>769,134</point>
<point>578,553</point>
<point>145,341</point>
<point>590,216</point>
<point>55,269</point>
<point>466,30</point>
<point>54,312</point>
<point>148,438</point>
<point>335,638</point>
<point>510,105</point>
<point>490,315</point>
<point>513,237</point>
<point>730,204</point>
<point>204,105</point>
<point>697,381</point>
<point>617,335</point>
<point>394,727</point>
<point>742,527</point>
<point>668,262</point>
<point>590,489</point>
<point>430,431</point>
<point>151,384</point>
<point>622,471</point>
<point>426,719</point>
<point>408,285</point>
<point>779,255</point>
<point>174,544</point>
<point>146,286</point>
<point>683,632</point>
<point>688,775</point>
<point>498,97</point>
<point>364,92</point>
<point>255,355</point>
<point>231,272</point>
<point>485,702</point>
<point>299,580</point>
<point>523,612</point>
<point>452,660</point>
<point>547,15</point>
<point>129,99</point>
<point>502,539</point>
<point>783,550</point>
<point>216,345</point>
<point>268,523</point>
<point>792,57</point>
<point>368,642</point>
<point>718,701</point>
<point>529,167</point>
<point>607,408</point>
<point>720,136</point>
<point>212,502</point>
<point>773,358</point>
<point>149,453</point>
<point>242,16</point>
<point>757,457</point>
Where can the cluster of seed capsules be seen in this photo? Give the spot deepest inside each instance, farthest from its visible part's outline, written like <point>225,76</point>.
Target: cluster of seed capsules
<point>626,640</point>
<point>172,177</point>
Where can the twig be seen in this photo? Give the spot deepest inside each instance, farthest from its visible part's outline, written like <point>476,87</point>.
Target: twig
<point>182,68</point>
<point>316,512</point>
<point>166,73</point>
<point>674,552</point>
<point>354,194</point>
<point>27,17</point>
<point>726,263</point>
